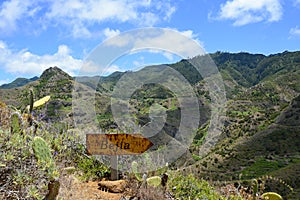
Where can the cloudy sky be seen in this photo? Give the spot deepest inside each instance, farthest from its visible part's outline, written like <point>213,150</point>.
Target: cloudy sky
<point>35,36</point>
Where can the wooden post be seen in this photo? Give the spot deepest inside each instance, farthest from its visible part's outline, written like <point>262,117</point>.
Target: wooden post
<point>114,168</point>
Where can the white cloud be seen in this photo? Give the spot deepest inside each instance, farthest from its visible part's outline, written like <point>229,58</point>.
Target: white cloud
<point>169,40</point>
<point>188,33</point>
<point>110,32</point>
<point>139,63</point>
<point>156,40</point>
<point>91,12</point>
<point>79,17</point>
<point>166,54</point>
<point>79,30</point>
<point>4,81</point>
<point>148,19</point>
<point>11,12</point>
<point>23,63</point>
<point>244,12</point>
<point>90,68</point>
<point>295,31</point>
<point>169,12</point>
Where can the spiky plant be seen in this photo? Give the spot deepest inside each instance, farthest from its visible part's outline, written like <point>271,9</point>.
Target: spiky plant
<point>154,181</point>
<point>134,168</point>
<point>254,188</point>
<point>42,153</point>
<point>30,101</point>
<point>41,150</point>
<point>15,123</point>
<point>271,196</point>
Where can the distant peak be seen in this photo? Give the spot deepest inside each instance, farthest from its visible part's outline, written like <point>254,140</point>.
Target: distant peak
<point>18,82</point>
<point>54,73</point>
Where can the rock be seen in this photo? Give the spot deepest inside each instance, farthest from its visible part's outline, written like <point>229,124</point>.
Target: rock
<point>53,189</point>
<point>113,186</point>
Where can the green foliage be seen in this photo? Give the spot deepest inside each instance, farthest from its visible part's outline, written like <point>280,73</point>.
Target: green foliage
<point>33,192</point>
<point>200,135</point>
<point>186,68</point>
<point>28,159</point>
<point>154,181</point>
<point>262,88</point>
<point>189,187</point>
<point>43,154</point>
<point>15,123</point>
<point>271,196</point>
<point>41,150</point>
<point>18,83</point>
<point>92,169</point>
<point>25,175</point>
<point>254,188</point>
<point>260,168</point>
<point>196,157</point>
<point>134,168</point>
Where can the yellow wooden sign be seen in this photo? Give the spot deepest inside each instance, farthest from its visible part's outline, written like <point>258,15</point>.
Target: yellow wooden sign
<point>117,144</point>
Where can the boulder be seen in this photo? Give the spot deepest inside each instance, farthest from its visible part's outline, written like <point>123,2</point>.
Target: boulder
<point>113,186</point>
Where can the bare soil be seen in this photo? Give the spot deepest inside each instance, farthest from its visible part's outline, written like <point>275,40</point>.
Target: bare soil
<point>73,189</point>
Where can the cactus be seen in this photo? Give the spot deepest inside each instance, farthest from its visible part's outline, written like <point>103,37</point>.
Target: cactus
<point>33,105</point>
<point>134,168</point>
<point>42,152</point>
<point>255,188</point>
<point>15,123</point>
<point>30,108</point>
<point>31,101</point>
<point>154,181</point>
<point>271,196</point>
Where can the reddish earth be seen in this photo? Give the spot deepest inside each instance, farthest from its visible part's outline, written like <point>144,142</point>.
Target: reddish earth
<point>72,188</point>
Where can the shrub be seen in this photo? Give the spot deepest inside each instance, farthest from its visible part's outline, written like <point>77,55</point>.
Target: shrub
<point>189,187</point>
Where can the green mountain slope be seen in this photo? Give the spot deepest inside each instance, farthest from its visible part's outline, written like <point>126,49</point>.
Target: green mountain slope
<point>261,128</point>
<point>18,83</point>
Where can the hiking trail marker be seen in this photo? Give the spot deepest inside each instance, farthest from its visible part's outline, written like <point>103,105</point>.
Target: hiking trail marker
<point>115,145</point>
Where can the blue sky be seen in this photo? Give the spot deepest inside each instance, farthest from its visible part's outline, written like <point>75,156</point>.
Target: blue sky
<point>35,36</point>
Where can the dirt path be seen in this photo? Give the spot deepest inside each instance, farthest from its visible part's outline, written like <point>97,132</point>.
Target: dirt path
<point>72,189</point>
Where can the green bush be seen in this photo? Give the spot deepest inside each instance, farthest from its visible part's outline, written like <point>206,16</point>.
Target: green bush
<point>91,168</point>
<point>189,187</point>
<point>31,158</point>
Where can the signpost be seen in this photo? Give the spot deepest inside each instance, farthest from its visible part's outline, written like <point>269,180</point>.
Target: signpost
<point>116,144</point>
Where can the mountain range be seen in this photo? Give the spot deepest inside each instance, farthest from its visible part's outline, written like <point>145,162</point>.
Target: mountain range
<point>261,129</point>
<point>18,82</point>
